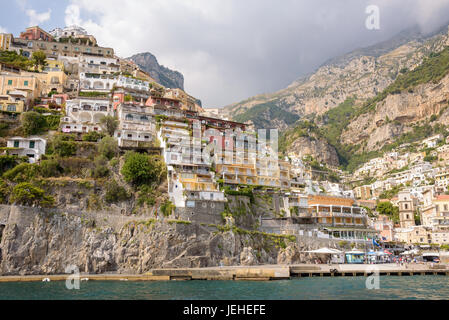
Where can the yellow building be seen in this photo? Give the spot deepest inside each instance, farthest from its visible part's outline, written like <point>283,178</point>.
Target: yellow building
<point>52,80</point>
<point>27,86</point>
<point>340,218</point>
<point>363,192</point>
<point>236,174</point>
<point>5,41</point>
<point>8,104</point>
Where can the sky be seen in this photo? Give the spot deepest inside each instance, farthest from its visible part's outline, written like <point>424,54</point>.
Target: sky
<point>230,50</point>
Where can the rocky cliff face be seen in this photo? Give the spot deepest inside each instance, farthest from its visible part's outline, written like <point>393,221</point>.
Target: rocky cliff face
<point>397,114</point>
<point>362,73</point>
<point>166,77</point>
<point>36,242</point>
<point>318,148</point>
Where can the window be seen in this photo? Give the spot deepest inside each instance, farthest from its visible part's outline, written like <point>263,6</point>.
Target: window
<point>16,144</point>
<point>11,108</point>
<point>9,82</point>
<point>32,144</point>
<point>25,83</point>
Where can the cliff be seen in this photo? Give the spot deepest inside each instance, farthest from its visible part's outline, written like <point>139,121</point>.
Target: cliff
<point>166,77</point>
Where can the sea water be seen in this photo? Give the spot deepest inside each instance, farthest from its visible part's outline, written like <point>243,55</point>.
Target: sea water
<point>334,288</point>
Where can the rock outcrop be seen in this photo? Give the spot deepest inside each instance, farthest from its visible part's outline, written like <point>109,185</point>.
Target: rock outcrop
<point>317,148</point>
<point>166,77</point>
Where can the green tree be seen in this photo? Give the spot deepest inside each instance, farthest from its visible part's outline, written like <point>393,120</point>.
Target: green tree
<point>142,169</point>
<point>22,172</point>
<point>109,124</point>
<point>27,194</point>
<point>39,59</point>
<point>108,147</point>
<point>32,122</point>
<point>116,193</point>
<point>387,208</point>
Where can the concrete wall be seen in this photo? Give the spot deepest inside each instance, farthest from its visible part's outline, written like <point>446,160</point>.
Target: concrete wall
<point>208,212</point>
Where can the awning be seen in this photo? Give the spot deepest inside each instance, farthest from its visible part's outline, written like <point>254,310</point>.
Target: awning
<point>325,251</point>
<point>356,252</point>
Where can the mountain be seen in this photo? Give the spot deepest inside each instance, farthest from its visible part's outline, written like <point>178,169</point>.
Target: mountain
<point>168,78</point>
<point>338,103</point>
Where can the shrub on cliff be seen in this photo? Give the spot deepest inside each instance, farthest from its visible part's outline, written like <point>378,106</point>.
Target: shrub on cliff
<point>32,122</point>
<point>62,145</point>
<point>93,136</point>
<point>50,168</point>
<point>108,147</point>
<point>8,162</point>
<point>116,193</point>
<point>26,194</point>
<point>100,169</point>
<point>22,172</point>
<point>4,191</point>
<point>142,169</point>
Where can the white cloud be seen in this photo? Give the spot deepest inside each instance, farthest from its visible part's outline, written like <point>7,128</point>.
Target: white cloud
<point>37,18</point>
<point>72,15</point>
<point>230,50</point>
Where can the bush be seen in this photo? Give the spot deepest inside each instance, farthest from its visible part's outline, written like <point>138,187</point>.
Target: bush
<point>143,169</point>
<point>73,166</point>
<point>4,191</point>
<point>8,162</point>
<point>100,169</point>
<point>50,168</point>
<point>167,208</point>
<point>27,194</point>
<point>23,172</point>
<point>62,145</point>
<point>116,193</point>
<point>32,122</point>
<point>93,136</point>
<point>108,147</point>
<point>146,196</point>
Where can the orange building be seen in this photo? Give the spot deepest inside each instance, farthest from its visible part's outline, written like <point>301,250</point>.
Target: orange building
<point>36,33</point>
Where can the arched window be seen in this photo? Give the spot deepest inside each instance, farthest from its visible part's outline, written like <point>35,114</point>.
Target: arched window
<point>129,117</point>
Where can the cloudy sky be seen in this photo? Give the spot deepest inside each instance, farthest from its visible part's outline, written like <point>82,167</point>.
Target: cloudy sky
<point>229,50</point>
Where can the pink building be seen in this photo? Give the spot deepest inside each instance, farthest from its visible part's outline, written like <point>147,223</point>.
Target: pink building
<point>36,33</point>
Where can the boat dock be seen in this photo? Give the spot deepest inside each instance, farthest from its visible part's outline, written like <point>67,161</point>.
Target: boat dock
<point>251,273</point>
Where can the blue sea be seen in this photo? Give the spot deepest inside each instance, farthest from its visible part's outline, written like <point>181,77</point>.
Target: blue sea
<point>339,288</point>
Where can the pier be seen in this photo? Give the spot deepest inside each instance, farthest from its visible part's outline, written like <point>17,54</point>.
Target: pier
<point>252,273</point>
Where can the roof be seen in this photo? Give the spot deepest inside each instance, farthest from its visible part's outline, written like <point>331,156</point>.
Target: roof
<point>443,197</point>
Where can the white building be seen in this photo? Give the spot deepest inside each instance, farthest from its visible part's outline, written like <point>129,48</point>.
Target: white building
<point>69,31</point>
<point>432,141</point>
<point>97,82</point>
<point>137,128</point>
<point>132,83</point>
<point>98,65</point>
<point>84,114</point>
<point>31,147</point>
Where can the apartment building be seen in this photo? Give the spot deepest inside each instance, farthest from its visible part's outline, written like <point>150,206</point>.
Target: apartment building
<point>94,64</point>
<point>137,128</point>
<point>36,33</point>
<point>84,114</point>
<point>56,49</point>
<point>25,87</point>
<point>340,218</point>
